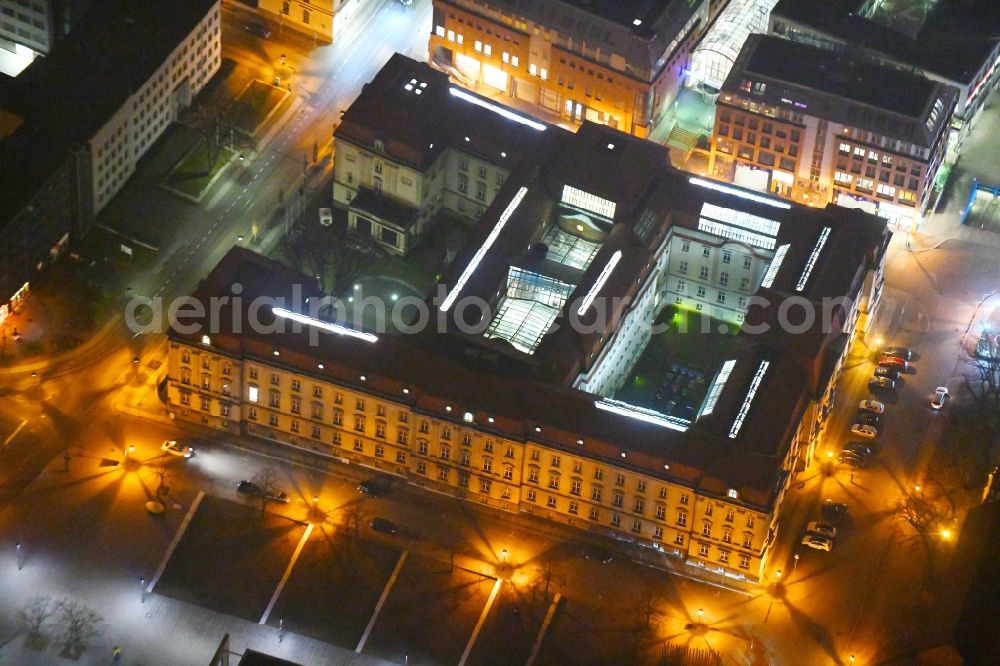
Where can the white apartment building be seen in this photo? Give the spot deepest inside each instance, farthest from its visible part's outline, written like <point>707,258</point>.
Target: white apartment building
<point>326,20</point>
<point>117,146</point>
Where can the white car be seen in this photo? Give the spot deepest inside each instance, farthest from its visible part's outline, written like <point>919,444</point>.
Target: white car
<point>818,542</point>
<point>873,406</point>
<point>822,529</point>
<point>174,448</point>
<point>940,395</point>
<point>325,216</point>
<point>865,431</point>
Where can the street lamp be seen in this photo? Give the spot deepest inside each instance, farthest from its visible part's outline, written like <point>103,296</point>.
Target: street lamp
<point>503,556</point>
<point>701,611</point>
<point>779,574</point>
<point>796,564</point>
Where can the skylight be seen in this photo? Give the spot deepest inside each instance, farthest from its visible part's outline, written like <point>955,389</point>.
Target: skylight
<point>481,252</point>
<point>735,191</point>
<point>588,201</point>
<point>775,266</point>
<point>741,219</point>
<point>497,109</point>
<point>599,283</point>
<point>736,234</point>
<point>715,390</point>
<point>811,263</point>
<point>751,392</point>
<point>324,325</point>
<point>522,323</point>
<point>643,414</point>
<point>415,87</point>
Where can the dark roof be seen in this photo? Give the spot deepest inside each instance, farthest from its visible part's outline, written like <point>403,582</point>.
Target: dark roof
<point>955,41</point>
<point>839,75</point>
<point>65,97</point>
<point>842,88</point>
<point>384,208</point>
<point>254,658</point>
<point>415,128</point>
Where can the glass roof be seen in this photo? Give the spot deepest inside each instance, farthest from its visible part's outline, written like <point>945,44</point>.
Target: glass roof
<point>522,323</point>
<point>714,57</point>
<point>569,249</point>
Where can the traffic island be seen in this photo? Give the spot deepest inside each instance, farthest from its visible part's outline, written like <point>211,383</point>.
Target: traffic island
<point>254,106</point>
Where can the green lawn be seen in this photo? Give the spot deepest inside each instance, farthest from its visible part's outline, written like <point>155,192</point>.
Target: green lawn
<point>197,169</point>
<point>678,363</point>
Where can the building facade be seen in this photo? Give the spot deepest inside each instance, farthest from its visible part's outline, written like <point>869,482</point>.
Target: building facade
<point>864,136</point>
<point>413,145</point>
<point>955,42</point>
<point>614,63</point>
<point>325,20</point>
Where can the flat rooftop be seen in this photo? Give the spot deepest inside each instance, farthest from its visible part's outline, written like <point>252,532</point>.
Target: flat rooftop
<point>840,75</point>
<point>954,40</point>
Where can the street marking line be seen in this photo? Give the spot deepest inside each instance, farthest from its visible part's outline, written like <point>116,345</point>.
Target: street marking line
<point>381,601</point>
<point>545,627</point>
<point>481,622</point>
<point>177,539</point>
<point>288,573</point>
<point>14,434</point>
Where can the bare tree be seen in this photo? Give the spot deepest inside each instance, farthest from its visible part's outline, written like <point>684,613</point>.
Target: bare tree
<point>268,489</point>
<point>983,378</point>
<point>928,510</point>
<point>354,517</point>
<point>337,255</point>
<point>79,623</point>
<point>37,610</point>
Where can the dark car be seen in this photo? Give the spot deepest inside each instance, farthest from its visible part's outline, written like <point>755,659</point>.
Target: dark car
<point>853,459</point>
<point>383,525</point>
<point>859,448</point>
<point>597,554</point>
<point>881,383</point>
<point>888,373</point>
<point>251,488</point>
<point>258,29</point>
<point>868,418</point>
<point>831,509</point>
<point>373,487</point>
<point>901,352</point>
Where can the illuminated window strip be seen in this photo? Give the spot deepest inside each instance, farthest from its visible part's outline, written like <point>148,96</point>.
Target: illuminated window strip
<point>587,201</point>
<point>496,108</point>
<point>741,219</point>
<point>325,325</point>
<point>736,233</point>
<point>641,414</point>
<point>601,279</point>
<point>751,392</point>
<point>719,187</point>
<point>817,248</point>
<point>481,252</point>
<point>772,270</point>
<point>715,390</point>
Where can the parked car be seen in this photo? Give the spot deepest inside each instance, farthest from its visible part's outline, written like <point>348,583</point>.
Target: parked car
<point>373,487</point>
<point>258,29</point>
<point>175,448</point>
<point>597,554</point>
<point>384,525</point>
<point>895,362</point>
<point>873,406</point>
<point>881,384</point>
<point>325,216</point>
<point>818,542</point>
<point>251,488</point>
<point>862,430</point>
<point>901,352</point>
<point>857,448</point>
<point>824,529</point>
<point>831,509</point>
<point>889,373</point>
<point>940,396</point>
<point>870,419</point>
<point>853,459</point>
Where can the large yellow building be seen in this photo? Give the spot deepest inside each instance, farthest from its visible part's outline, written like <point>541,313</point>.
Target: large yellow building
<point>388,406</point>
<point>614,62</point>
